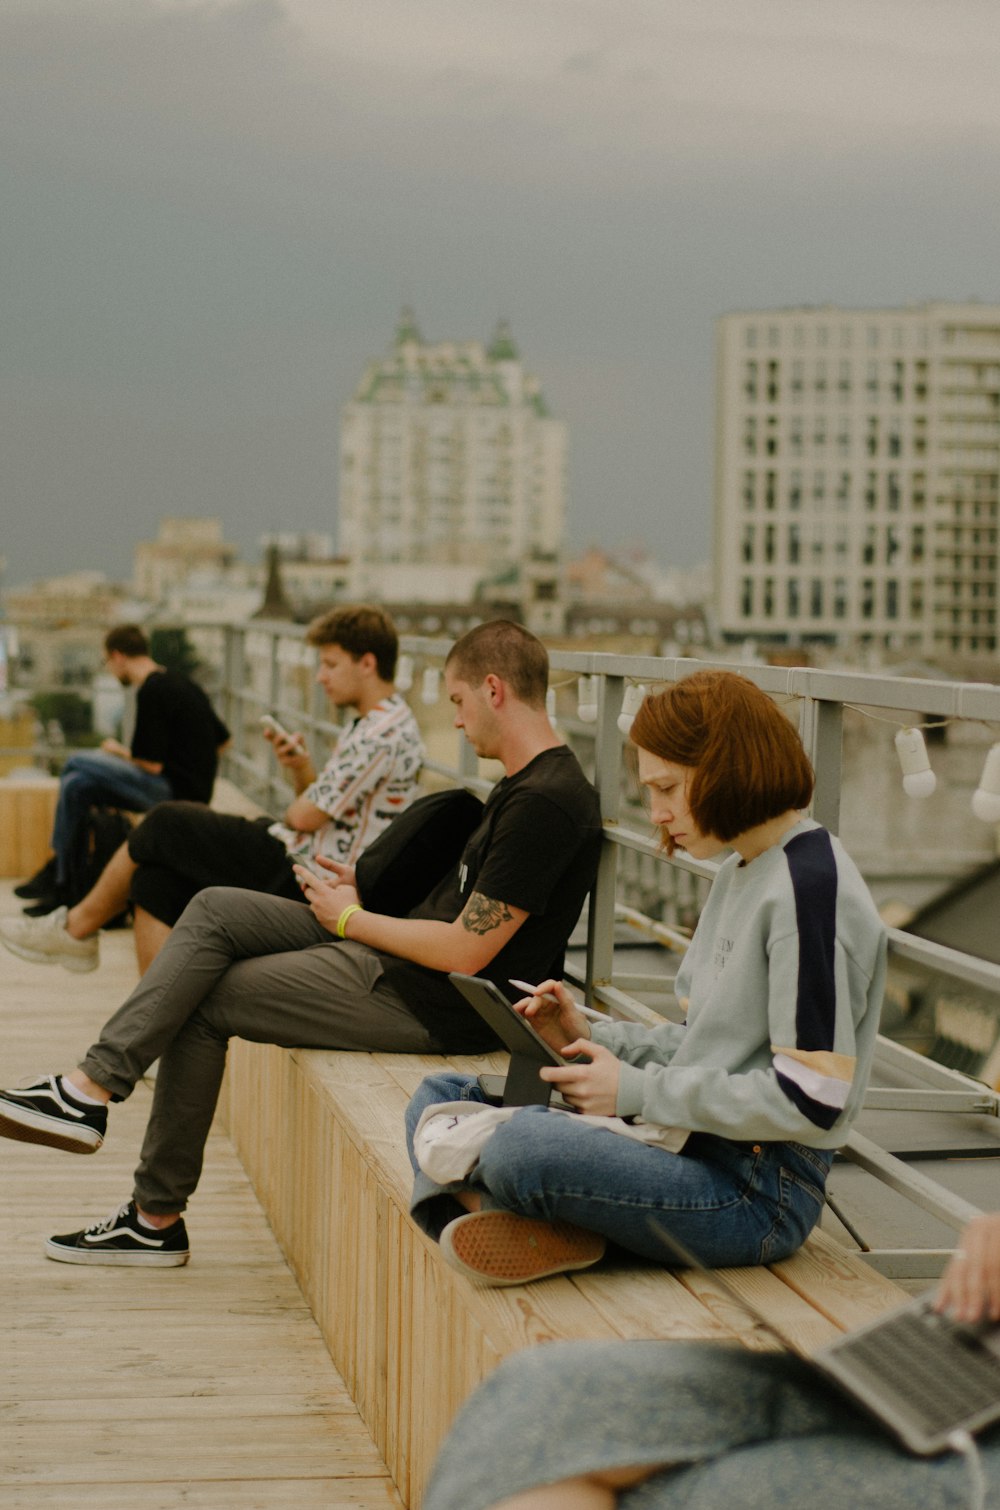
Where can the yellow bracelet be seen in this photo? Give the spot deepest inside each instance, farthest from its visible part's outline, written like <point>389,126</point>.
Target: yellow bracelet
<point>342,920</point>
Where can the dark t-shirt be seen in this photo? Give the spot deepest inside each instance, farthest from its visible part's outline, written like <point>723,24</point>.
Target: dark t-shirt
<point>536,848</point>
<point>177,727</point>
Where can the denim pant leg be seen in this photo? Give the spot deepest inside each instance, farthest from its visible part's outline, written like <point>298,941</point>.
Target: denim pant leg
<point>96,778</point>
<point>432,1205</point>
<point>729,1203</point>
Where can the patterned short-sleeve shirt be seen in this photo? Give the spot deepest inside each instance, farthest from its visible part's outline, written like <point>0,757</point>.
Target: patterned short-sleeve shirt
<point>370,777</point>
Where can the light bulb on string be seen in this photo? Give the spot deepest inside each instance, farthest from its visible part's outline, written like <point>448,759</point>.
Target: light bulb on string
<point>631,704</point>
<point>430,686</point>
<point>404,673</point>
<point>986,797</point>
<point>586,699</point>
<point>918,778</point>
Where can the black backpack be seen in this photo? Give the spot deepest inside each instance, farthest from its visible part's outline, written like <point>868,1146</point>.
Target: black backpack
<point>417,850</point>
<point>105,830</point>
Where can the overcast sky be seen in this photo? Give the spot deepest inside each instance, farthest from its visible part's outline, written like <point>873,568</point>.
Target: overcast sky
<point>213,210</point>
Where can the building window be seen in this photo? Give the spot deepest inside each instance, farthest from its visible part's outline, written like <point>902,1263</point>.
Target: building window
<point>816,598</point>
<point>892,599</point>
<point>795,490</point>
<point>867,597</point>
<point>840,598</point>
<point>768,597</point>
<point>748,537</point>
<point>746,597</point>
<point>793,597</point>
<point>794,543</point>
<point>750,381</point>
<point>749,489</point>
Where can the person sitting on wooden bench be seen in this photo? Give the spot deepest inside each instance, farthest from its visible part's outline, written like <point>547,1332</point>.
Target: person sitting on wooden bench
<point>173,753</point>
<point>332,974</point>
<point>181,847</point>
<point>700,1426</point>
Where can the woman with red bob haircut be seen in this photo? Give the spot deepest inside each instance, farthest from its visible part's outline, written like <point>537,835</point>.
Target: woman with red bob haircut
<point>719,1131</point>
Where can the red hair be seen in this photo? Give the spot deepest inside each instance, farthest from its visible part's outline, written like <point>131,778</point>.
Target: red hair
<point>748,761</point>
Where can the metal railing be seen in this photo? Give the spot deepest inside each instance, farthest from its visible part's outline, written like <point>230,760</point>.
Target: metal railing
<point>267,668</point>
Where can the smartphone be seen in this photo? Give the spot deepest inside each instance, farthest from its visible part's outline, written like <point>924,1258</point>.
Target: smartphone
<point>268,721</point>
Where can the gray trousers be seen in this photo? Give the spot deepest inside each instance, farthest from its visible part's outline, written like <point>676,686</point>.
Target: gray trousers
<point>238,964</point>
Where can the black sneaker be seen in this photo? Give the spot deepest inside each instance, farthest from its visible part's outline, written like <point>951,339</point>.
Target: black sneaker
<point>48,1112</point>
<point>122,1239</point>
<point>40,884</point>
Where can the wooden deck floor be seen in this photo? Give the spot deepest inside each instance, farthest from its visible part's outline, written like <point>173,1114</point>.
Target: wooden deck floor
<point>206,1386</point>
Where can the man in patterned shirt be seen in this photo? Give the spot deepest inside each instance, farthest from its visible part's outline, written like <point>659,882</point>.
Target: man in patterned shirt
<point>181,847</point>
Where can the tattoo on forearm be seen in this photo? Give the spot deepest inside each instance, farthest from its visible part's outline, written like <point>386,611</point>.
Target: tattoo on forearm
<point>482,914</point>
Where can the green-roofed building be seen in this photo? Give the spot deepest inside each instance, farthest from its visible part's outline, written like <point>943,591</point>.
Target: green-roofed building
<point>449,457</point>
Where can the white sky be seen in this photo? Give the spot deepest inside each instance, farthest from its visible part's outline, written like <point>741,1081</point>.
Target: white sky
<point>214,209</point>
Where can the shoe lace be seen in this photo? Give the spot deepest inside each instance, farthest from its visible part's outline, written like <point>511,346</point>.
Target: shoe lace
<point>106,1223</point>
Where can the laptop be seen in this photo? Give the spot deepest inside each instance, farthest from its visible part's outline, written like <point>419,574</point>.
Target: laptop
<point>924,1377</point>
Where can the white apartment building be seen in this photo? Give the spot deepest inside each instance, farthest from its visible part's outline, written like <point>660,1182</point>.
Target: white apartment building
<point>449,457</point>
<point>857,458</point>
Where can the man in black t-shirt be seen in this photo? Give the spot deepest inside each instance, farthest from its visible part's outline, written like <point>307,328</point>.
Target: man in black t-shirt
<point>174,753</point>
<point>333,975</point>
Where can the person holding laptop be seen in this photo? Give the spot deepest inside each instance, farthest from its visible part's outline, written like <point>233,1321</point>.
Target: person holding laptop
<point>695,1426</point>
<point>781,985</point>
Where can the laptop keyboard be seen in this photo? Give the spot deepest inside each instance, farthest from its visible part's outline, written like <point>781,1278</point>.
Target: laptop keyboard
<point>933,1366</point>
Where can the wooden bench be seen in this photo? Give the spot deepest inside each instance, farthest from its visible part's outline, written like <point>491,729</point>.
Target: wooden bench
<point>321,1136</point>
<point>27,807</point>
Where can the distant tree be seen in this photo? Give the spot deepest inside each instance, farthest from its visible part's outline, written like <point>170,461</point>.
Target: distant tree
<point>172,648</point>
<point>70,710</point>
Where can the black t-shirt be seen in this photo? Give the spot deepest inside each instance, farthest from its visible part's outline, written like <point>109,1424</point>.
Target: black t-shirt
<point>536,848</point>
<point>177,727</point>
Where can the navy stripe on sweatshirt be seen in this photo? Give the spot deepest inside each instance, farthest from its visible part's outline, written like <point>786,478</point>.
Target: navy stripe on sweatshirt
<point>809,1072</point>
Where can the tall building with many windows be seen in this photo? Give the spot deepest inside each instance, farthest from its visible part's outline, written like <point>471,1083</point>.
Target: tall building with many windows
<point>857,459</point>
<point>449,457</point>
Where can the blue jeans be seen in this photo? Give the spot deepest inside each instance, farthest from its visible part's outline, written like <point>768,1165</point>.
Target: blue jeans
<point>87,780</point>
<point>738,1428</point>
<point>730,1203</point>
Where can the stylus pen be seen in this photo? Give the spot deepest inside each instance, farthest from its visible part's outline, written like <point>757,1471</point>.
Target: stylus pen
<point>523,985</point>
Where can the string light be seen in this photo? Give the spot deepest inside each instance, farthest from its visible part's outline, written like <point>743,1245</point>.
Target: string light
<point>918,778</point>
<point>430,686</point>
<point>404,673</point>
<point>631,704</point>
<point>986,797</point>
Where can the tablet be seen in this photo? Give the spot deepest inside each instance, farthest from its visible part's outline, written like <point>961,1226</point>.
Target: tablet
<point>528,1050</point>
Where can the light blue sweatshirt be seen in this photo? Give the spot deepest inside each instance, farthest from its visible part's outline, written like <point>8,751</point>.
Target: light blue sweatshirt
<point>783,981</point>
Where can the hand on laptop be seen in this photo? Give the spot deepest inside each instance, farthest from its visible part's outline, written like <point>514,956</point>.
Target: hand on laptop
<point>553,1014</point>
<point>970,1286</point>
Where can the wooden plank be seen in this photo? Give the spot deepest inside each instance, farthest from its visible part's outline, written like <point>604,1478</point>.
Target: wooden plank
<point>208,1385</point>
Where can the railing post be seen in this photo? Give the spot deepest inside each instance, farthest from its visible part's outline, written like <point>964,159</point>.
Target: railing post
<point>607,771</point>
<point>822,731</point>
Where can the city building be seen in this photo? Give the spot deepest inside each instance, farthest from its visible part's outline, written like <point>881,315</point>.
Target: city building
<point>450,459</point>
<point>183,548</point>
<point>55,629</point>
<point>857,456</point>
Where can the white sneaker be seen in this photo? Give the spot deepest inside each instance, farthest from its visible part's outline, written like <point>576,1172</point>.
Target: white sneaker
<point>44,941</point>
